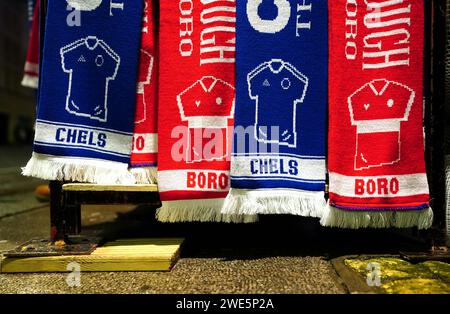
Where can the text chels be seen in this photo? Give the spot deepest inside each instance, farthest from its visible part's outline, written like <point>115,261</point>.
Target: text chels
<point>279,82</point>
<point>90,63</point>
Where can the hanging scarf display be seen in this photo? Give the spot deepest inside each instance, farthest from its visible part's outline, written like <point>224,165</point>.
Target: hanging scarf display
<point>145,143</point>
<point>278,160</point>
<point>196,109</point>
<point>86,106</point>
<point>376,146</point>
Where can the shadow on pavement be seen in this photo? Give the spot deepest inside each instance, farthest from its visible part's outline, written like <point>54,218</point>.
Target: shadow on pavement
<point>273,235</point>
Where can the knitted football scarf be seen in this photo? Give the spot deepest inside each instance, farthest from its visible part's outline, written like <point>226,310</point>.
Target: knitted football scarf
<point>376,155</point>
<point>87,94</point>
<point>196,108</point>
<point>143,155</point>
<point>31,71</point>
<point>278,161</point>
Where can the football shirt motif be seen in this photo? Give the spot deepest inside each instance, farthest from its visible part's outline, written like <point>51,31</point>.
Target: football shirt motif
<point>377,109</point>
<point>271,83</point>
<point>79,59</point>
<point>145,77</point>
<point>207,104</point>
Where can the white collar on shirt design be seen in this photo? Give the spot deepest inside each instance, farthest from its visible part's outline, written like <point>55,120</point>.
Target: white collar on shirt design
<point>274,62</point>
<point>374,89</point>
<point>213,83</point>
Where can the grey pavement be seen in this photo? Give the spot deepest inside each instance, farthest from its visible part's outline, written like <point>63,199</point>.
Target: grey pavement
<point>194,275</point>
<point>280,254</point>
<point>19,202</point>
<point>12,158</point>
<point>12,181</point>
<point>202,269</point>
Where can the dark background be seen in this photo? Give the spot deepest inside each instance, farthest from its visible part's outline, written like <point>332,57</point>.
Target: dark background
<point>16,102</point>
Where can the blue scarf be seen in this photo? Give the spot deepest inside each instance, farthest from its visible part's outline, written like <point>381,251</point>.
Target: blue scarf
<point>85,115</point>
<point>278,160</point>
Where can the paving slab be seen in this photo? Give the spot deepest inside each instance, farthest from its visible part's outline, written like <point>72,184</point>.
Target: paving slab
<point>13,182</point>
<point>392,275</point>
<point>17,203</point>
<point>193,275</point>
<point>279,254</point>
<point>15,155</point>
<point>203,268</point>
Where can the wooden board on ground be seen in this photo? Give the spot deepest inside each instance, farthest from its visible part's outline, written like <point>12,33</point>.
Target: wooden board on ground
<point>158,254</point>
<point>78,187</point>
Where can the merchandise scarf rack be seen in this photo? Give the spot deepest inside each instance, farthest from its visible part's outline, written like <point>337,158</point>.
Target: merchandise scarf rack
<point>67,198</point>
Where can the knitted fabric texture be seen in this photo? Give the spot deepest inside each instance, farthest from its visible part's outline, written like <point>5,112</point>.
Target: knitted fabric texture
<point>376,146</point>
<point>145,142</point>
<point>278,160</point>
<point>196,109</point>
<point>87,94</point>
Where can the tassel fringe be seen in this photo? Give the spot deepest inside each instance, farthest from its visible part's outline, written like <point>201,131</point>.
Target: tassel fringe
<point>205,210</point>
<point>30,81</point>
<point>278,201</point>
<point>78,170</point>
<point>334,217</point>
<point>144,175</point>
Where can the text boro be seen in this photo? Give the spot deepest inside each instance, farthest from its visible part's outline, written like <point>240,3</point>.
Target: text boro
<point>379,186</point>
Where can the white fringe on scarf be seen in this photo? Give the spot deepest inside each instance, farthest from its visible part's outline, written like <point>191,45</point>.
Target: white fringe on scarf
<point>204,210</point>
<point>30,81</point>
<point>274,201</point>
<point>144,175</point>
<point>334,217</point>
<point>77,169</point>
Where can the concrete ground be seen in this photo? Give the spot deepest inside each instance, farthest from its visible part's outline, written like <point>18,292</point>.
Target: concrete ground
<point>203,268</point>
<point>279,254</point>
<point>14,156</point>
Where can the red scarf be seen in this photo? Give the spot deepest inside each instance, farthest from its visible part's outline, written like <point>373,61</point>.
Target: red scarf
<point>31,71</point>
<point>196,108</point>
<point>376,156</point>
<point>144,153</point>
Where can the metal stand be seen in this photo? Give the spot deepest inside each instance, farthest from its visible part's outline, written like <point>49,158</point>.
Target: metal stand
<point>65,216</point>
